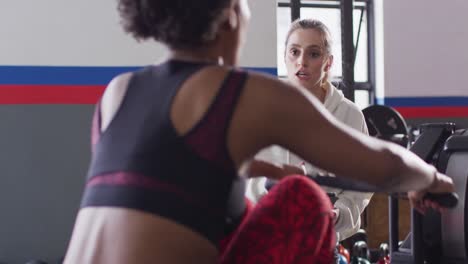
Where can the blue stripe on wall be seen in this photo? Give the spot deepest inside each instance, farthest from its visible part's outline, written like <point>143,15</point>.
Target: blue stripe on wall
<point>423,101</point>
<point>71,75</point>
<point>51,75</point>
<point>271,71</point>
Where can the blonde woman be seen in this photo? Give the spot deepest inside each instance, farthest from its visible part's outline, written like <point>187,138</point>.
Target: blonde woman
<point>308,58</point>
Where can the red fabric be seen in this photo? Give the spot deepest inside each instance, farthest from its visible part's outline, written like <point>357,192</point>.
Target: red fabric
<point>208,137</point>
<point>291,224</point>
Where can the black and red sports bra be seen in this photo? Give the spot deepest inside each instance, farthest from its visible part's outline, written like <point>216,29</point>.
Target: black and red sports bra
<point>140,161</point>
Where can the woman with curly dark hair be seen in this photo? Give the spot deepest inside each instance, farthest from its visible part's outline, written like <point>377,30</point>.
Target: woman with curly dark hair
<point>172,145</point>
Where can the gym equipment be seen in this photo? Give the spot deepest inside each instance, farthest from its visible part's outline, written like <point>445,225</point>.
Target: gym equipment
<point>385,123</point>
<point>384,254</point>
<point>350,242</point>
<point>360,253</point>
<point>36,262</point>
<point>342,260</point>
<point>385,260</point>
<point>358,260</point>
<point>344,252</point>
<point>448,200</point>
<point>360,250</point>
<point>333,197</point>
<point>447,149</point>
<point>437,238</point>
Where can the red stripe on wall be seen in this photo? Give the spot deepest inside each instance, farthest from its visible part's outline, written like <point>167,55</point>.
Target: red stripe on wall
<point>433,111</point>
<point>50,94</point>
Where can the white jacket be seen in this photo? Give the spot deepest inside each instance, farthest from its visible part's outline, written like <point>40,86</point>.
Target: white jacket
<point>350,204</point>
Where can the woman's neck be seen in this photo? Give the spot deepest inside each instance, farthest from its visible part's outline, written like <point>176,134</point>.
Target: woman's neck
<point>205,54</point>
<point>320,91</point>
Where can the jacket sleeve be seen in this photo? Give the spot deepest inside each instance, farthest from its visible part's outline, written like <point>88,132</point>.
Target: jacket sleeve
<point>355,119</point>
<point>363,126</point>
<point>256,189</point>
<point>351,204</point>
<point>256,186</point>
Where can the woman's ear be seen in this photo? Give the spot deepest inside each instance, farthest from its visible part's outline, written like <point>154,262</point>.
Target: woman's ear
<point>230,18</point>
<point>329,63</point>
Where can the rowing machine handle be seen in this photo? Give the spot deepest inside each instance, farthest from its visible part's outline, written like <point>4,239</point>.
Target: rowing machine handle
<point>447,200</point>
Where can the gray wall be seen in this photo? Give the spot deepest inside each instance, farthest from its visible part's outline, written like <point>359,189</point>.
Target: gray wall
<point>44,156</point>
<point>425,48</point>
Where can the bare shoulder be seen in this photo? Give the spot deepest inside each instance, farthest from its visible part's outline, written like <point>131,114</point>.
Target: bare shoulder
<point>280,97</point>
<point>112,97</point>
<point>265,82</point>
<point>271,90</point>
<point>271,109</point>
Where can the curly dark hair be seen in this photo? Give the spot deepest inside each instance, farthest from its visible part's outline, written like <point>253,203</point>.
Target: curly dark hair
<point>180,24</point>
